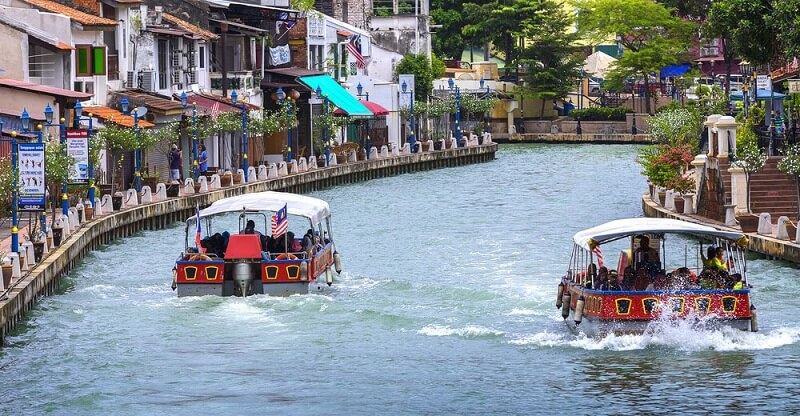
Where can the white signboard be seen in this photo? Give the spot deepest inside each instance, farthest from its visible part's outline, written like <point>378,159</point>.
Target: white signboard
<point>794,86</point>
<point>31,177</point>
<point>763,82</point>
<point>78,149</point>
<point>405,98</point>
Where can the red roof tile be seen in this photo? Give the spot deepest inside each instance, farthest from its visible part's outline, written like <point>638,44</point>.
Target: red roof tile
<point>44,89</point>
<point>76,15</point>
<point>189,27</point>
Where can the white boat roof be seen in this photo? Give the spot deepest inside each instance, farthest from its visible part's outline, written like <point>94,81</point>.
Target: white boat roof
<point>631,226</point>
<point>304,206</point>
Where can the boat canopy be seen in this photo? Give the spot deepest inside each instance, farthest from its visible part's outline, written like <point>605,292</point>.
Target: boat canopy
<point>305,206</point>
<point>631,226</point>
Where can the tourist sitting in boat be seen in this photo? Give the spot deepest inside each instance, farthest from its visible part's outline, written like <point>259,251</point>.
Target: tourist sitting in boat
<point>708,259</point>
<point>627,279</point>
<point>647,257</point>
<point>641,280</point>
<point>308,240</point>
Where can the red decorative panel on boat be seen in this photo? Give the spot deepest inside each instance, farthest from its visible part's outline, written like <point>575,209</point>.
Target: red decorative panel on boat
<point>243,246</point>
<point>652,305</point>
<point>281,271</point>
<point>201,271</point>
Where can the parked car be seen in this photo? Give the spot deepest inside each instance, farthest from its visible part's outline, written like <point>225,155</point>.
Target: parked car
<point>736,81</point>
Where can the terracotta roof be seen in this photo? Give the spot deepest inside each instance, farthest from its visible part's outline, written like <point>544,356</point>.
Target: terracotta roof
<point>114,116</point>
<point>76,15</point>
<point>197,30</point>
<point>44,89</point>
<point>158,103</point>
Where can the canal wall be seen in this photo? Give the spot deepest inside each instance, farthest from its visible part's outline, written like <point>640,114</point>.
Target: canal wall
<point>767,245</point>
<point>562,138</point>
<point>45,277</point>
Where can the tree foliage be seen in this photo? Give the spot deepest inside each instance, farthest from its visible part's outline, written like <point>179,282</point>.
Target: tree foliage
<point>424,73</point>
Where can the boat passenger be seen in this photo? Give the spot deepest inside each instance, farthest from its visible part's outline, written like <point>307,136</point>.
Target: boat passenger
<point>601,282</point>
<point>591,275</point>
<point>718,262</point>
<point>709,257</point>
<point>737,282</point>
<point>613,280</point>
<point>641,280</point>
<point>646,257</point>
<point>294,245</point>
<point>308,240</point>
<point>627,279</point>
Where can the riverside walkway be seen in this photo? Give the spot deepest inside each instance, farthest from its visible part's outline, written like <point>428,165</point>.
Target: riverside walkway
<point>44,278</point>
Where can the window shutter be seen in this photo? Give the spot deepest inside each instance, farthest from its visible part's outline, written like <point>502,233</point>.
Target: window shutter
<point>99,60</point>
<point>82,60</point>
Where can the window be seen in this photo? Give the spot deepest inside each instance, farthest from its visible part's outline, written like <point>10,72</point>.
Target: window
<point>90,60</point>
<point>202,57</point>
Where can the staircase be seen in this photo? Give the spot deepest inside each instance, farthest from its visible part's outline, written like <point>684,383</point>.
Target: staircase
<point>773,191</point>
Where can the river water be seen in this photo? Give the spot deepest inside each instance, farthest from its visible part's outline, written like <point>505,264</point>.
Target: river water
<point>445,306</point>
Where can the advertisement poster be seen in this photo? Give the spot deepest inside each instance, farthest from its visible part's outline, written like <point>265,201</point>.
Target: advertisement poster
<point>31,177</point>
<point>78,149</point>
<point>405,98</point>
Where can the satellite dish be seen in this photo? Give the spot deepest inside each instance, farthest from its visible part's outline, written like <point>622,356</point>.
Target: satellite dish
<point>141,111</point>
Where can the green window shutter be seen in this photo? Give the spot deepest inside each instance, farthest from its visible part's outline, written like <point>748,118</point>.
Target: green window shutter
<point>82,61</point>
<point>99,60</point>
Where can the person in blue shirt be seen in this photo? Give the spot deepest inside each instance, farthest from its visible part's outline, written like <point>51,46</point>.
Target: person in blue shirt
<point>203,159</point>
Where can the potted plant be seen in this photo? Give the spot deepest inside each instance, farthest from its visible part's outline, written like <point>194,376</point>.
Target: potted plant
<point>116,201</point>
<point>664,164</point>
<point>226,179</point>
<point>7,269</point>
<point>750,158</point>
<point>35,235</point>
<point>58,234</point>
<point>682,185</point>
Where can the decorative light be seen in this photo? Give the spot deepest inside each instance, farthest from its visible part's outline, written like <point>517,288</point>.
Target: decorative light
<point>123,103</point>
<point>48,114</point>
<point>281,94</point>
<point>234,97</point>
<point>359,88</point>
<point>319,92</point>
<point>184,99</point>
<point>26,119</point>
<point>481,82</point>
<point>404,86</point>
<point>451,83</point>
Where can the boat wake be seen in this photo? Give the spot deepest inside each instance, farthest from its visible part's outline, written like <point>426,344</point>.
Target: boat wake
<point>468,332</point>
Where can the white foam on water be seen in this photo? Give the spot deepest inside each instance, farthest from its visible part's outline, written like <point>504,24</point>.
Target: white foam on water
<point>523,312</point>
<point>470,331</point>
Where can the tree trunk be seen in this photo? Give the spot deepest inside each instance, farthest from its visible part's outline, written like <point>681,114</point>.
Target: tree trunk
<point>486,52</point>
<point>647,93</point>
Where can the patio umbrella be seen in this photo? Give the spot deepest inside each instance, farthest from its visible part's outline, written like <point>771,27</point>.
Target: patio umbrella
<point>598,64</point>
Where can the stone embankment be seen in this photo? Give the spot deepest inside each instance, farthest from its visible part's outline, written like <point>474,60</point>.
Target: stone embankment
<point>44,278</point>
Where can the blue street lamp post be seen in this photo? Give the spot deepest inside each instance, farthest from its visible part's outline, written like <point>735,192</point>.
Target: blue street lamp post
<point>14,202</point>
<point>235,101</point>
<point>327,132</point>
<point>26,124</point>
<point>77,121</point>
<point>48,118</point>
<point>359,90</point>
<point>411,140</point>
<point>184,104</point>
<point>457,127</point>
<point>488,115</point>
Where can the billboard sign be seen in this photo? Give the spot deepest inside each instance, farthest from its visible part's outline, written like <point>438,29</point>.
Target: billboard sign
<point>78,150</point>
<point>30,166</point>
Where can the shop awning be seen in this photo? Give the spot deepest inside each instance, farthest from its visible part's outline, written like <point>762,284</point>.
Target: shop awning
<point>337,95</point>
<point>375,108</point>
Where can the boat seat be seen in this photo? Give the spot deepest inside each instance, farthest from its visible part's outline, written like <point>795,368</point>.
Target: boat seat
<point>243,246</point>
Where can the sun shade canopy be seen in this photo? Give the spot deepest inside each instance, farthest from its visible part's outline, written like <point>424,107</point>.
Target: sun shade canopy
<point>337,95</point>
<point>631,226</point>
<point>304,206</point>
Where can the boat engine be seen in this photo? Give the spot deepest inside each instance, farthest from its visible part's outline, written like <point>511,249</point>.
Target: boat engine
<point>565,304</point>
<point>242,276</point>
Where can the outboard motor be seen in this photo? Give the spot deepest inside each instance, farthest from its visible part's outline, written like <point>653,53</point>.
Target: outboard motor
<point>242,276</point>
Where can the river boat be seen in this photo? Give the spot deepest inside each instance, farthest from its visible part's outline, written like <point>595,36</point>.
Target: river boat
<point>648,287</point>
<point>261,256</point>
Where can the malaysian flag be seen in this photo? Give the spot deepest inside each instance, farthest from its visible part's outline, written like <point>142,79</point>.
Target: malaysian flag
<point>197,236</point>
<point>279,223</point>
<point>599,254</point>
<point>354,46</point>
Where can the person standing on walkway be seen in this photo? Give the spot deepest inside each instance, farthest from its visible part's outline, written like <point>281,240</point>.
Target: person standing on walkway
<point>203,160</point>
<point>175,163</point>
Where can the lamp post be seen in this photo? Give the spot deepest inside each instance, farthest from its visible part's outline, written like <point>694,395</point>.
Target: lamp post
<point>184,104</point>
<point>48,118</point>
<point>404,88</point>
<point>359,90</point>
<point>77,121</point>
<point>487,115</point>
<point>327,132</point>
<point>634,130</point>
<point>137,178</point>
<point>14,195</point>
<point>235,101</point>
<point>281,95</point>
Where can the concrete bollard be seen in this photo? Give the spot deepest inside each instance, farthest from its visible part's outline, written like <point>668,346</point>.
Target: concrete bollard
<point>781,233</point>
<point>16,270</point>
<point>294,167</point>
<point>302,165</point>
<point>282,169</point>
<point>273,170</point>
<point>373,153</point>
<point>406,150</point>
<point>395,151</point>
<point>147,195</point>
<point>131,198</point>
<point>29,258</point>
<point>215,182</point>
<point>251,174</point>
<point>72,216</point>
<point>43,239</point>
<point>107,205</point>
<point>262,173</point>
<point>764,224</point>
<point>161,192</point>
<point>332,160</point>
<point>384,152</point>
<point>312,163</point>
<point>188,187</point>
<point>203,181</point>
<point>487,137</point>
<point>669,201</point>
<point>352,156</point>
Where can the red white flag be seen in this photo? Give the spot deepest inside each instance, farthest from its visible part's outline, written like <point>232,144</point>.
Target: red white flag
<point>599,256</point>
<point>198,234</point>
<point>280,223</point>
<point>215,109</point>
<point>354,46</point>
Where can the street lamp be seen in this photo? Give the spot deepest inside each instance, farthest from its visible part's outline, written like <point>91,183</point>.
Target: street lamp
<point>359,90</point>
<point>235,100</point>
<point>77,121</point>
<point>137,179</point>
<point>48,117</point>
<point>457,127</point>
<point>184,104</point>
<point>327,132</point>
<point>281,96</point>
<point>368,144</point>
<point>411,140</point>
<point>487,116</point>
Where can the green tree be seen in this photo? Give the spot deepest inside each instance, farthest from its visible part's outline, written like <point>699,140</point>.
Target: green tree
<point>722,21</point>
<point>424,73</point>
<point>447,40</point>
<point>650,34</point>
<point>784,22</point>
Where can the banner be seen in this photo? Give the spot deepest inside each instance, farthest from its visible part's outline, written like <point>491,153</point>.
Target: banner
<point>279,55</point>
<point>405,98</point>
<point>794,86</point>
<point>30,166</point>
<point>78,149</point>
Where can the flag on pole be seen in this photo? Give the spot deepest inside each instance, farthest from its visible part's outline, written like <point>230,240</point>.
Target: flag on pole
<point>599,255</point>
<point>197,236</point>
<point>354,46</point>
<point>280,223</point>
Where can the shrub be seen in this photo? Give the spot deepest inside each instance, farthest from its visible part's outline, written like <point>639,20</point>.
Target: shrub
<point>600,114</point>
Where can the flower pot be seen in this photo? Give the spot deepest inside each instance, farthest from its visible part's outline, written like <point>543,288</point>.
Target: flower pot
<point>362,155</point>
<point>7,270</point>
<point>748,222</point>
<point>426,146</point>
<point>662,198</point>
<point>226,180</point>
<point>791,230</point>
<point>38,251</point>
<point>58,234</point>
<point>197,187</point>
<point>173,189</point>
<point>651,187</point>
<point>678,204</point>
<point>438,145</point>
<point>89,212</point>
<point>116,202</point>
<point>237,179</point>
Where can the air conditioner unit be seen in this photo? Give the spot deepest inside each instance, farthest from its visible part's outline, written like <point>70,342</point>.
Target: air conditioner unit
<point>130,80</point>
<point>147,80</point>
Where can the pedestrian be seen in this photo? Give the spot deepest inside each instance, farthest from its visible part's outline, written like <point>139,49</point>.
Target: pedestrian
<point>203,160</point>
<point>175,163</point>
